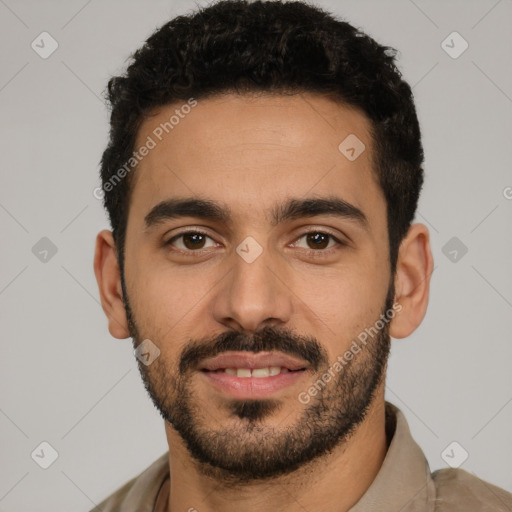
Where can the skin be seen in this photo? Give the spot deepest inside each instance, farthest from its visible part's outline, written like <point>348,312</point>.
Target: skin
<point>267,148</point>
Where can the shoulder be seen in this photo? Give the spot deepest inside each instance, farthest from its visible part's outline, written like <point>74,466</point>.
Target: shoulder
<point>138,494</point>
<point>458,490</point>
<point>117,500</point>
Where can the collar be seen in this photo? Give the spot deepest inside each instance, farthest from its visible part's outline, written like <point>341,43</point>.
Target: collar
<point>404,482</point>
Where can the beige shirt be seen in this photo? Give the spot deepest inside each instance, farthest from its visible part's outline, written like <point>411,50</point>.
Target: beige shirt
<point>404,483</point>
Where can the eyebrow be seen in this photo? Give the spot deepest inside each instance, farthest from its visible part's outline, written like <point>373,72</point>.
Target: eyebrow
<point>290,210</point>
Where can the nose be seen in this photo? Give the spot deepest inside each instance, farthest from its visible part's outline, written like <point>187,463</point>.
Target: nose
<point>253,295</point>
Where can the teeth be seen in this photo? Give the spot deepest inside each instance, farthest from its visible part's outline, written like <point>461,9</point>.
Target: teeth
<point>260,372</point>
<point>257,373</point>
<point>274,370</point>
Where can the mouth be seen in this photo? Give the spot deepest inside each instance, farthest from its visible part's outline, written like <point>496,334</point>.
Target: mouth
<point>257,373</point>
<point>250,375</point>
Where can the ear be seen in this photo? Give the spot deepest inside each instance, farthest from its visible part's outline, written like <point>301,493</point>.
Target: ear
<point>108,276</point>
<point>412,281</point>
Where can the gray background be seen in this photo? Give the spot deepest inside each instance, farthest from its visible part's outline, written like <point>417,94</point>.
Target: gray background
<point>66,381</point>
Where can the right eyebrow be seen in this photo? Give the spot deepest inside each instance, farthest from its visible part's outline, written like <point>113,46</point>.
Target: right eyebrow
<point>187,207</point>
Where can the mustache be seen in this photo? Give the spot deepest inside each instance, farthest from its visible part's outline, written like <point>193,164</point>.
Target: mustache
<point>267,339</point>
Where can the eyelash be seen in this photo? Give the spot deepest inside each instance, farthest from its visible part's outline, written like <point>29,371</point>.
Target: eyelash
<point>199,252</point>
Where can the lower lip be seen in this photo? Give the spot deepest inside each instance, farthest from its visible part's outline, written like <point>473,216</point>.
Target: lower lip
<point>252,387</point>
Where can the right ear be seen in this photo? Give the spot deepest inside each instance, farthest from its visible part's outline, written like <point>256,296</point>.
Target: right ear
<point>108,276</point>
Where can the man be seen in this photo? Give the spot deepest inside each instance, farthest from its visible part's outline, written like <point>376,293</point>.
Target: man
<point>261,178</point>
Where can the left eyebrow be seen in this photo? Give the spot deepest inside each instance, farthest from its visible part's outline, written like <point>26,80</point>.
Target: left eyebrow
<point>334,206</point>
<point>290,210</point>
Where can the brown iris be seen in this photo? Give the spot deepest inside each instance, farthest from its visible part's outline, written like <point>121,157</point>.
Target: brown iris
<point>196,242</point>
<point>315,237</point>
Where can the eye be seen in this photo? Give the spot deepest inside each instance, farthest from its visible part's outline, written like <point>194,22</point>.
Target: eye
<point>192,241</point>
<point>318,241</point>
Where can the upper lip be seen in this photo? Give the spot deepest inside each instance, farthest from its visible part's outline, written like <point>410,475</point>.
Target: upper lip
<point>252,360</point>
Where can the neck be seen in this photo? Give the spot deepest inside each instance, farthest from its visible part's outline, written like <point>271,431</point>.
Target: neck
<point>333,482</point>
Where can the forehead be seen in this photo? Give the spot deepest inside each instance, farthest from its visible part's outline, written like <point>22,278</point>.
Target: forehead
<point>249,151</point>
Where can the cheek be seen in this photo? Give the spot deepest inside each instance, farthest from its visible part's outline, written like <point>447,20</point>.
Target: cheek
<point>355,285</point>
<point>160,312</point>
<point>165,298</point>
<point>338,304</point>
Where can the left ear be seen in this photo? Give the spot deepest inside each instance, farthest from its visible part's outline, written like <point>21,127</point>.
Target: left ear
<point>412,281</point>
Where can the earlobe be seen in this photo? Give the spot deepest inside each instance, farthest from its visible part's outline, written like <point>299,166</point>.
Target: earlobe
<point>412,281</point>
<point>108,277</point>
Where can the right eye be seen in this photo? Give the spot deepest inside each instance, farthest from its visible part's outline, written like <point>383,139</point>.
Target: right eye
<point>192,241</point>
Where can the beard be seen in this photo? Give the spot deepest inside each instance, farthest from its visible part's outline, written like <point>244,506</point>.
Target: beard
<point>247,449</point>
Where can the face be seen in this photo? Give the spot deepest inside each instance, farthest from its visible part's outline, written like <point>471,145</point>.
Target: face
<point>256,255</point>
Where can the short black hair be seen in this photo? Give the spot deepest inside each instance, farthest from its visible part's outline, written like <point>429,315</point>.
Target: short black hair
<point>241,46</point>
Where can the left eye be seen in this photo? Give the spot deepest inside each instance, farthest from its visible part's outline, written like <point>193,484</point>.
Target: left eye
<point>318,240</point>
